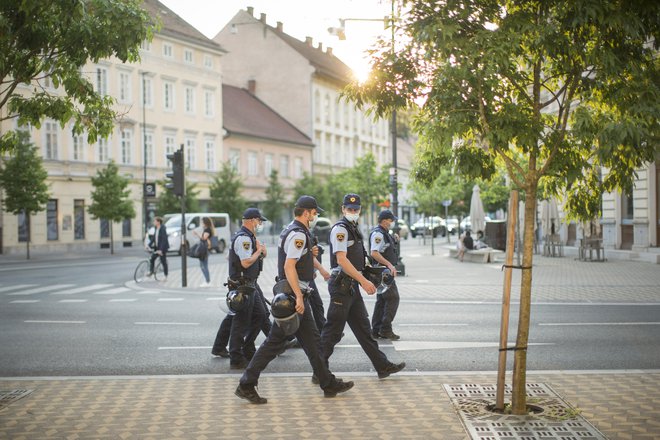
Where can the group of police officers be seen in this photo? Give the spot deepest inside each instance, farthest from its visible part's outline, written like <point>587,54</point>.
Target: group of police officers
<point>297,307</point>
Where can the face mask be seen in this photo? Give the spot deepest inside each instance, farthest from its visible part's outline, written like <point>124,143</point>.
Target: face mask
<point>312,221</point>
<point>352,217</point>
<point>260,227</point>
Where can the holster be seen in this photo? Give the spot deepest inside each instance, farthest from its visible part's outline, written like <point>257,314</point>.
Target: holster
<point>340,281</point>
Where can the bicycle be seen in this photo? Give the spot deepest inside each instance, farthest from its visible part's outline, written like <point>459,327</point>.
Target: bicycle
<point>142,269</point>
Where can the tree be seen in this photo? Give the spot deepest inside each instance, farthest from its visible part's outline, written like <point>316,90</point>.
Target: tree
<point>274,200</point>
<point>51,41</point>
<point>225,192</point>
<point>111,198</point>
<point>556,90</point>
<point>23,179</point>
<point>168,203</point>
<point>313,186</point>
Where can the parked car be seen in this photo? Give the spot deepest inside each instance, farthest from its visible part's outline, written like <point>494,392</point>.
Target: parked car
<point>404,231</point>
<point>428,226</point>
<point>322,229</point>
<point>452,225</point>
<point>194,221</point>
<point>465,223</point>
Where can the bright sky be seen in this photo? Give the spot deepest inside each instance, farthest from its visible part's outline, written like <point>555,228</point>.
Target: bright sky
<point>301,18</point>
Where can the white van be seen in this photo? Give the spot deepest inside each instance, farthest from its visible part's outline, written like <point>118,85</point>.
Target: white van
<point>194,221</point>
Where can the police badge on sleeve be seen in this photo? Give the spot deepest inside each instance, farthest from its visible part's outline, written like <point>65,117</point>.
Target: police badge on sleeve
<point>298,243</point>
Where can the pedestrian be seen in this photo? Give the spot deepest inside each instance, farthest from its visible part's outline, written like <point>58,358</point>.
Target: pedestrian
<point>383,251</point>
<point>160,244</point>
<point>347,259</point>
<point>295,264</point>
<point>208,231</point>
<point>246,255</point>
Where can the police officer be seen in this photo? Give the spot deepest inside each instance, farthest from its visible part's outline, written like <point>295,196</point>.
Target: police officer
<point>382,246</point>
<point>295,264</point>
<point>245,263</point>
<point>346,304</point>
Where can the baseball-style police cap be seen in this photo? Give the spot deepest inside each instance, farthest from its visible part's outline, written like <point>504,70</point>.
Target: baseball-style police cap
<point>308,202</point>
<point>386,214</point>
<point>352,201</point>
<point>251,213</point>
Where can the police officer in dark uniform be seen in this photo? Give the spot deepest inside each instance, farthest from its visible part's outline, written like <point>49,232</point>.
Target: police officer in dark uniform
<point>383,252</point>
<point>245,257</point>
<point>295,263</point>
<point>346,304</point>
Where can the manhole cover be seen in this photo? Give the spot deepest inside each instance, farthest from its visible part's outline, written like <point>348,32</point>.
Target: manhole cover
<point>557,420</point>
<point>11,396</point>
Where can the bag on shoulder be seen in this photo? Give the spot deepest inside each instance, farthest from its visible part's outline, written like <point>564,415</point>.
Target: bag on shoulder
<point>198,250</point>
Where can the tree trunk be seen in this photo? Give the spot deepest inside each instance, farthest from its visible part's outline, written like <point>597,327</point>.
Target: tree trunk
<point>518,397</point>
<point>112,244</point>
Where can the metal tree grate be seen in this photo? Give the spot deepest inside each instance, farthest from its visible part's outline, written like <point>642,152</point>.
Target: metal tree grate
<point>558,420</point>
<point>11,396</point>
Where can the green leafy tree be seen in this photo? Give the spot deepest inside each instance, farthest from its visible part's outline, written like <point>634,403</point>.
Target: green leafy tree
<point>111,198</point>
<point>168,203</point>
<point>312,185</point>
<point>275,201</point>
<point>555,90</point>
<point>366,180</point>
<point>52,40</point>
<point>225,193</point>
<point>23,180</point>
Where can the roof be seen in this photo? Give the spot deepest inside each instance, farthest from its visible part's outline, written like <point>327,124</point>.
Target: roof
<point>244,113</point>
<point>177,27</point>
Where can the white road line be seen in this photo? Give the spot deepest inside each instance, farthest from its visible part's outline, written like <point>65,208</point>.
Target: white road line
<point>54,322</point>
<point>113,291</point>
<point>42,289</point>
<point>218,298</point>
<point>24,301</point>
<point>557,324</point>
<point>169,299</point>
<point>16,287</point>
<point>123,300</point>
<point>72,300</point>
<point>148,292</point>
<point>432,325</point>
<point>166,323</point>
<point>82,289</point>
<point>186,348</point>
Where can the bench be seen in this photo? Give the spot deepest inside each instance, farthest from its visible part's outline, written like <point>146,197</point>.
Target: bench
<point>591,246</point>
<point>552,246</point>
<point>486,255</point>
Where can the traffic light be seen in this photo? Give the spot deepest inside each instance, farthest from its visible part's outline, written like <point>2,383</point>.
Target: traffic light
<point>176,184</point>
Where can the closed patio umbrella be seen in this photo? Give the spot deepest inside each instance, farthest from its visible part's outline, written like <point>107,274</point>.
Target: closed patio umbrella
<point>477,214</point>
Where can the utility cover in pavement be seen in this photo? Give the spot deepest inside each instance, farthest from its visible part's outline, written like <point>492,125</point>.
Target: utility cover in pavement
<point>558,420</point>
<point>11,396</point>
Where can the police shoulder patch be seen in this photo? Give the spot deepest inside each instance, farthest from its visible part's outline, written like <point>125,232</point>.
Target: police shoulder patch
<point>246,245</point>
<point>299,243</point>
<point>341,236</point>
<point>378,240</point>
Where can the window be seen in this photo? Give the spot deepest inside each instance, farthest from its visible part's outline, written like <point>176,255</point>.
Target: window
<point>124,87</point>
<point>147,92</point>
<point>317,106</point>
<point>167,50</point>
<point>298,167</point>
<point>188,56</point>
<point>77,147</point>
<point>209,103</point>
<point>102,150</point>
<point>105,228</point>
<point>51,220</point>
<point>126,145</point>
<point>337,109</point>
<point>102,81</point>
<point>627,209</point>
<point>79,219</point>
<point>326,109</point>
<point>235,159</point>
<point>268,164</point>
<point>208,61</point>
<point>23,227</point>
<point>170,144</point>
<point>346,118</point>
<point>126,227</point>
<point>210,154</point>
<point>50,140</point>
<point>168,95</point>
<point>146,45</point>
<point>284,166</point>
<point>190,100</point>
<point>252,163</point>
<point>149,147</point>
<point>190,153</point>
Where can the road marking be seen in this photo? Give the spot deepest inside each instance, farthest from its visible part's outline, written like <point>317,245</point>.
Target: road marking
<point>123,300</point>
<point>215,298</point>
<point>557,324</point>
<point>444,345</point>
<point>24,301</point>
<point>72,300</point>
<point>169,299</point>
<point>54,322</point>
<point>42,289</point>
<point>148,292</point>
<point>186,348</point>
<point>113,291</point>
<point>16,287</point>
<point>167,323</point>
<point>432,325</point>
<point>82,289</point>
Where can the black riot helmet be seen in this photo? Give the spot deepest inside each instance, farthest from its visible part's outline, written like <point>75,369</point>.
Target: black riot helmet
<point>374,274</point>
<point>387,280</point>
<point>283,309</point>
<point>237,299</point>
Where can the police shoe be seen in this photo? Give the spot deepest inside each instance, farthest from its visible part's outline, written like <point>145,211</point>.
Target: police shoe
<point>389,335</point>
<point>391,369</point>
<point>338,387</point>
<point>222,352</point>
<point>249,393</point>
<point>238,365</point>
<point>316,381</point>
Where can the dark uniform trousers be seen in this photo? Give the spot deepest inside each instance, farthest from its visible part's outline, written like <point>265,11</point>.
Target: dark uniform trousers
<point>317,307</point>
<point>241,327</point>
<point>307,335</point>
<point>385,310</point>
<point>348,307</point>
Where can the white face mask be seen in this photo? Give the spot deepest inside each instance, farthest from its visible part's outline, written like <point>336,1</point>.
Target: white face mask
<point>312,221</point>
<point>259,228</point>
<point>352,217</point>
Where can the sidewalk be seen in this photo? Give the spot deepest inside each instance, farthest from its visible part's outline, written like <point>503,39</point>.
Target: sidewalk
<point>410,405</point>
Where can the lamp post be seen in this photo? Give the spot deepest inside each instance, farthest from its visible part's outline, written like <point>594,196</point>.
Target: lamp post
<point>144,152</point>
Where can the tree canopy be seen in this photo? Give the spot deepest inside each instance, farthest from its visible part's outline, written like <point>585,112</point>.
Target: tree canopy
<point>45,44</point>
<point>168,203</point>
<point>275,200</point>
<point>225,192</point>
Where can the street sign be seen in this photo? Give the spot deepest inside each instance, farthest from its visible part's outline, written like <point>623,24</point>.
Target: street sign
<point>150,189</point>
<point>446,203</point>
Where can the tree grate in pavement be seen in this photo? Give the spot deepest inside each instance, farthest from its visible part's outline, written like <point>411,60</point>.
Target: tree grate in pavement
<point>558,420</point>
<point>11,396</point>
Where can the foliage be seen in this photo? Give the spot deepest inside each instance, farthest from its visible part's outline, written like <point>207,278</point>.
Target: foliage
<point>225,192</point>
<point>52,40</point>
<point>313,186</point>
<point>365,180</point>
<point>168,203</point>
<point>275,199</point>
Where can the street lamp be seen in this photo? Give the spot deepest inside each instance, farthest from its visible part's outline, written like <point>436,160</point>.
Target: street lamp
<point>144,151</point>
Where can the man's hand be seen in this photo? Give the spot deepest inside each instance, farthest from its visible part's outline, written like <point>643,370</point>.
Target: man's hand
<point>368,287</point>
<point>325,274</point>
<point>261,247</point>
<point>315,251</point>
<point>159,252</point>
<point>392,269</point>
<point>300,304</point>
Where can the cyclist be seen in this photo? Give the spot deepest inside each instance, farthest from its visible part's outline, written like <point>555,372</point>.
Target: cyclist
<point>159,244</point>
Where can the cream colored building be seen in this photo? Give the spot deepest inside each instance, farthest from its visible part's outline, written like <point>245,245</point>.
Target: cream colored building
<point>302,82</point>
<point>172,98</point>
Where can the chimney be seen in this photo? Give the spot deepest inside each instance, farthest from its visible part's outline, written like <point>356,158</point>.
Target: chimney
<point>250,10</point>
<point>280,26</point>
<point>309,41</point>
<point>263,18</point>
<point>329,51</point>
<point>320,46</point>
<point>252,86</point>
